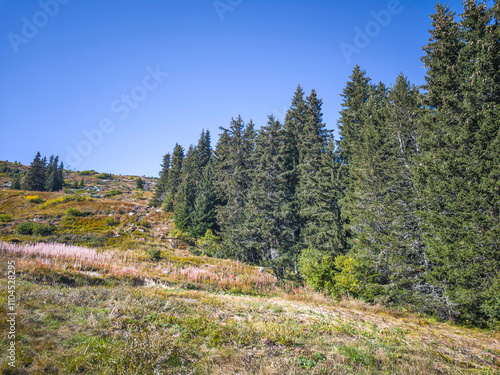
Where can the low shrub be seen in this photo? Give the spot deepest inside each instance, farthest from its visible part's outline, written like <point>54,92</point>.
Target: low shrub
<point>111,221</point>
<point>5,218</point>
<point>208,244</point>
<point>74,212</point>
<point>104,176</point>
<point>112,193</point>
<point>35,229</point>
<point>154,254</point>
<point>335,275</point>
<point>87,173</point>
<point>34,199</point>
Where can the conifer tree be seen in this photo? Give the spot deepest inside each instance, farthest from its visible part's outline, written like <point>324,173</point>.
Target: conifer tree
<point>204,150</point>
<point>221,155</point>
<point>35,177</point>
<point>268,232</point>
<point>234,178</point>
<point>186,192</point>
<point>457,168</point>
<point>204,214</point>
<point>52,175</point>
<point>293,125</point>
<point>174,174</point>
<point>162,185</point>
<point>60,177</point>
<point>313,140</point>
<point>16,183</point>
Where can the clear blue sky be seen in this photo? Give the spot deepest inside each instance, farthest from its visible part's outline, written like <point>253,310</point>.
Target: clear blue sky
<point>76,66</point>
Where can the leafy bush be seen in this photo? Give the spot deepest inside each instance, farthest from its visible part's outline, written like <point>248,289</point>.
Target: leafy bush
<point>345,280</point>
<point>336,276</point>
<point>35,229</point>
<point>154,254</point>
<point>112,193</point>
<point>110,221</point>
<point>104,176</point>
<point>87,173</point>
<point>74,212</point>
<point>317,268</point>
<point>208,244</point>
<point>34,199</point>
<point>144,223</point>
<point>5,218</point>
<point>183,236</point>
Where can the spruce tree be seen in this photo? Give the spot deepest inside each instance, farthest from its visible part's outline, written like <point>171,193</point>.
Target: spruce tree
<point>35,177</point>
<point>162,184</point>
<point>268,232</point>
<point>234,179</point>
<point>16,183</point>
<point>221,155</point>
<point>186,192</point>
<point>204,149</point>
<point>295,119</point>
<point>313,140</point>
<point>174,174</point>
<point>457,169</point>
<point>52,178</point>
<point>139,183</point>
<point>204,213</point>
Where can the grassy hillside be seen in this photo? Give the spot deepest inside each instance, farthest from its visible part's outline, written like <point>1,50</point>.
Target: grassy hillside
<point>107,306</point>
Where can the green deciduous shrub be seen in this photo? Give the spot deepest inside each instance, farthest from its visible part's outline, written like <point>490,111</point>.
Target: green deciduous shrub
<point>74,212</point>
<point>5,218</point>
<point>322,271</point>
<point>87,173</point>
<point>208,244</point>
<point>112,193</point>
<point>104,176</point>
<point>35,229</point>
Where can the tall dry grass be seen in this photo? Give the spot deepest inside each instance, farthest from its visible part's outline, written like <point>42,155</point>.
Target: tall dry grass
<point>54,250</point>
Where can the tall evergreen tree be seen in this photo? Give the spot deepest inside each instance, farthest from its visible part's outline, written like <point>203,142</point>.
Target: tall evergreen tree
<point>174,175</point>
<point>204,150</point>
<point>313,140</point>
<point>204,213</point>
<point>268,232</point>
<point>35,177</point>
<point>186,191</point>
<point>456,172</point>
<point>235,177</point>
<point>294,123</point>
<point>221,155</point>
<point>53,181</point>
<point>162,185</point>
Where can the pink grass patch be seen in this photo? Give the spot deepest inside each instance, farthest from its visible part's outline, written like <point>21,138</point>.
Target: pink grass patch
<point>54,250</point>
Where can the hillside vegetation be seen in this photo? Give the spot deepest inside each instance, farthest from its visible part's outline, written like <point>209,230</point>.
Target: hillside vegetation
<point>116,309</point>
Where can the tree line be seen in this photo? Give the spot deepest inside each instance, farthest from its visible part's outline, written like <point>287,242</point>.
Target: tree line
<point>403,207</point>
<point>43,175</point>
